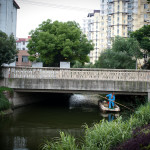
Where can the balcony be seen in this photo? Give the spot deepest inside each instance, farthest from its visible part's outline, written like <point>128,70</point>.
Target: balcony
<point>110,1</point>
<point>147,20</point>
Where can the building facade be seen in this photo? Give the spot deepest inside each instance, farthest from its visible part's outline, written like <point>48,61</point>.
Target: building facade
<point>91,28</point>
<point>8,16</point>
<point>117,18</point>
<point>22,56</point>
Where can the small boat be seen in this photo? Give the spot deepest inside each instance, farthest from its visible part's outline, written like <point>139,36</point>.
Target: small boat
<point>103,105</point>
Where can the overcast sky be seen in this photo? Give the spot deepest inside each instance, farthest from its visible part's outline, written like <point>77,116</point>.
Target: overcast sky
<point>34,12</point>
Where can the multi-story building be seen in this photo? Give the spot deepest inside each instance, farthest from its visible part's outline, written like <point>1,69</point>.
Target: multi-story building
<point>91,28</point>
<point>124,16</point>
<point>117,18</point>
<point>8,16</point>
<point>22,56</point>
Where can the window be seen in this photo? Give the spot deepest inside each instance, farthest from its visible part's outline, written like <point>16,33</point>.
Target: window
<point>129,17</point>
<point>145,16</point>
<point>23,48</point>
<point>117,31</point>
<point>17,58</point>
<point>145,6</point>
<point>129,5</point>
<point>23,42</point>
<point>102,1</point>
<point>24,58</point>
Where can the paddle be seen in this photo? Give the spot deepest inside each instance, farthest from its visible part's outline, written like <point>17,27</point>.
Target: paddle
<point>118,103</point>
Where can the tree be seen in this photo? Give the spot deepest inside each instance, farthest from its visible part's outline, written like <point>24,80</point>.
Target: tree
<point>143,37</point>
<point>128,45</point>
<point>7,48</point>
<point>115,60</point>
<point>58,41</point>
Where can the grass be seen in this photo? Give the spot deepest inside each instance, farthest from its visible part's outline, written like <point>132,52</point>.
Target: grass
<point>104,135</point>
<point>66,142</point>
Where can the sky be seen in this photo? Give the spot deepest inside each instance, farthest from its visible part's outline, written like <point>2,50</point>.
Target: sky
<point>34,12</point>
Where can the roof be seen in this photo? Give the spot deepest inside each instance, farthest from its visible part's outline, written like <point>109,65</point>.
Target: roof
<point>96,11</point>
<point>92,14</point>
<point>15,4</point>
<point>23,39</point>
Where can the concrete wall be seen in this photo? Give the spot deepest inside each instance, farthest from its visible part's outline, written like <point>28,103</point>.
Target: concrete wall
<point>22,99</point>
<point>77,86</point>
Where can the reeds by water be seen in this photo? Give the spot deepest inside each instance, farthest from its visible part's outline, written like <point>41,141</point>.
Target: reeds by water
<point>105,135</point>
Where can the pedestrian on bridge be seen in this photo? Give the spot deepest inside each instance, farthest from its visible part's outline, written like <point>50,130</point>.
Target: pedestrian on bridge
<point>111,98</point>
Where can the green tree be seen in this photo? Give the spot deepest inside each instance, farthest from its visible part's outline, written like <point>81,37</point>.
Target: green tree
<point>115,60</point>
<point>143,37</point>
<point>53,42</point>
<point>7,48</point>
<point>128,45</point>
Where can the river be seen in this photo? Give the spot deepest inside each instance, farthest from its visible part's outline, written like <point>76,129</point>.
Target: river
<point>29,126</point>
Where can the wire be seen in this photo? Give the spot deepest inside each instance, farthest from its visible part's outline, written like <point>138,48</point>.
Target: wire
<point>52,5</point>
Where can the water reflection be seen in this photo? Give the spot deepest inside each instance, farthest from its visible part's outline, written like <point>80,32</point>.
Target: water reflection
<point>110,116</point>
<point>28,126</point>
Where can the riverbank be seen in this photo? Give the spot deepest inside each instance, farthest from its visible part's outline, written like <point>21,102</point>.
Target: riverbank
<point>104,135</point>
<point>5,106</point>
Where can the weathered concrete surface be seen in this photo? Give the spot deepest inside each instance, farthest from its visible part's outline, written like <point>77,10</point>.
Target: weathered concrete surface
<point>77,86</point>
<point>21,99</point>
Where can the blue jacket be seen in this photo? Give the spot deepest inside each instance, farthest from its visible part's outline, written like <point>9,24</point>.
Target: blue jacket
<point>109,97</point>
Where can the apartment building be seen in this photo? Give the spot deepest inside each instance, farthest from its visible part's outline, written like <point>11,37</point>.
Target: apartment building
<point>117,18</point>
<point>8,16</point>
<point>22,56</point>
<point>91,28</point>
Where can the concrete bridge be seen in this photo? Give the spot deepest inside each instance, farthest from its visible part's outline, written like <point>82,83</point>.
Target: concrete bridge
<point>77,80</point>
<point>57,80</point>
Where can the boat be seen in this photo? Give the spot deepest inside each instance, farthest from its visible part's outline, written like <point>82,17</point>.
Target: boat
<point>103,105</point>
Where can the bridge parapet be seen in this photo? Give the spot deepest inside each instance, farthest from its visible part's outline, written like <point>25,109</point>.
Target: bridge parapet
<point>76,73</point>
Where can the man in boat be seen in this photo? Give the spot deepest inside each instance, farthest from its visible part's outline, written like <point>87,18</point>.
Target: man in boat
<point>111,98</point>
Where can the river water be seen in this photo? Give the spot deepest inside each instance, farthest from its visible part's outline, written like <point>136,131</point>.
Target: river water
<point>28,127</point>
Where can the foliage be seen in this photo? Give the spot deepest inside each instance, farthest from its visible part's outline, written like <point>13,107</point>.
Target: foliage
<point>7,48</point>
<point>66,142</point>
<point>2,88</point>
<point>77,64</point>
<point>106,135</point>
<point>58,41</point>
<point>115,60</point>
<point>122,55</point>
<point>128,45</point>
<point>140,140</point>
<point>143,37</point>
<point>4,103</point>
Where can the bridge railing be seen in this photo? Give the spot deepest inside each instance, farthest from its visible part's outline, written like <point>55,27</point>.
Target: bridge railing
<point>77,73</point>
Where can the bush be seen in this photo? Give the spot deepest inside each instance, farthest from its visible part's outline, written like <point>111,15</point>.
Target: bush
<point>4,103</point>
<point>65,142</point>
<point>140,140</point>
<point>107,135</point>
